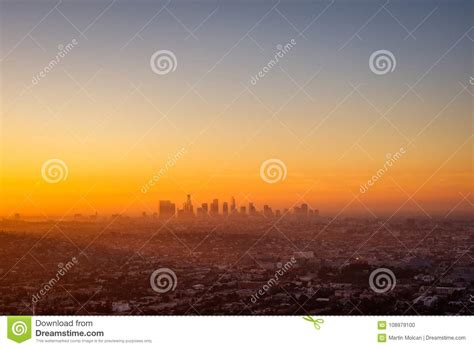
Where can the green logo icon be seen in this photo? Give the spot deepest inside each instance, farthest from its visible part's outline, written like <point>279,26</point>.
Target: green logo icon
<point>19,328</point>
<point>316,322</point>
<point>382,325</point>
<point>381,338</point>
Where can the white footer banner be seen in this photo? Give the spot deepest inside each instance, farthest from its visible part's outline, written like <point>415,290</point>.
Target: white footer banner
<point>236,331</point>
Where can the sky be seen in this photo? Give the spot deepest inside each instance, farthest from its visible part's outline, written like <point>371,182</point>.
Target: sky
<point>320,110</point>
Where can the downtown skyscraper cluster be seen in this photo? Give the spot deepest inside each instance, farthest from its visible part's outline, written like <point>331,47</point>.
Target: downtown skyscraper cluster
<point>168,210</point>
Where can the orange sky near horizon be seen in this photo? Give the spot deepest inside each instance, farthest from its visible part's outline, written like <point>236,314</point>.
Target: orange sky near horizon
<point>321,111</point>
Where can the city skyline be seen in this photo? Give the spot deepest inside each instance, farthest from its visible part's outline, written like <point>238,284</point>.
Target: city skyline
<point>216,206</point>
<point>168,210</point>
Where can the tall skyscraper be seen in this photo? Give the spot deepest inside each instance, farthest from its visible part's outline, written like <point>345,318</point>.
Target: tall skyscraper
<point>233,208</point>
<point>167,209</point>
<point>225,209</point>
<point>188,206</point>
<point>215,207</point>
<point>252,210</point>
<point>304,209</point>
<point>188,209</point>
<point>267,211</point>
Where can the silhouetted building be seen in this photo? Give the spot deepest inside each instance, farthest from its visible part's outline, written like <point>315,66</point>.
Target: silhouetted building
<point>167,209</point>
<point>304,209</point>
<point>252,210</point>
<point>301,211</point>
<point>188,209</point>
<point>215,207</point>
<point>200,212</point>
<point>267,211</point>
<point>188,206</point>
<point>225,209</point>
